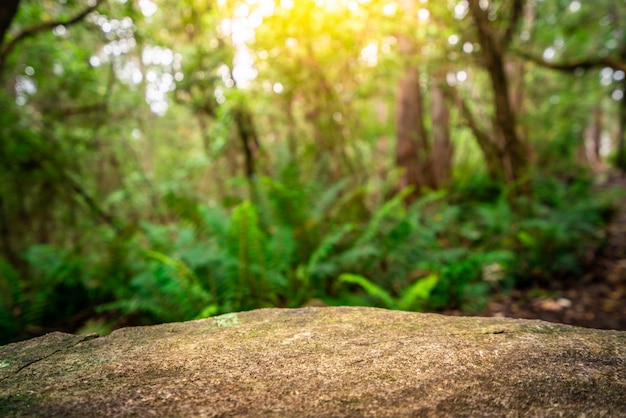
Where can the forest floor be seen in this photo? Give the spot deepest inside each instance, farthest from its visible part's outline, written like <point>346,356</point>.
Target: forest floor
<point>595,300</point>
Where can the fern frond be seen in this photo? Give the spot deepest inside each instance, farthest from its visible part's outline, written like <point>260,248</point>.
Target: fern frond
<point>327,245</point>
<point>249,243</point>
<point>373,228</point>
<point>322,205</point>
<point>369,287</point>
<point>418,293</point>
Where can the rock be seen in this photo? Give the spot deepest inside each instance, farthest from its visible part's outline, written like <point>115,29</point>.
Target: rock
<point>317,362</point>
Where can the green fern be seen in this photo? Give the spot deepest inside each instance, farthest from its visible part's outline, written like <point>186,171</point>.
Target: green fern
<point>416,295</point>
<point>370,288</point>
<point>412,297</point>
<point>386,211</point>
<point>248,241</point>
<point>165,288</point>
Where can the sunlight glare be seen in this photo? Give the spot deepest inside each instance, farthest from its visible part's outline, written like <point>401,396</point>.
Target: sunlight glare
<point>291,42</point>
<point>278,88</point>
<point>287,4</point>
<point>369,54</point>
<point>24,87</point>
<point>390,9</point>
<point>451,79</point>
<point>226,27</point>
<point>243,67</point>
<point>574,6</point>
<point>461,9</point>
<point>606,76</point>
<point>266,7</point>
<point>242,10</point>
<point>137,76</point>
<point>135,134</point>
<point>59,30</point>
<point>219,95</point>
<point>148,8</point>
<point>423,14</point>
<point>549,54</point>
<point>151,76</point>
<point>58,69</point>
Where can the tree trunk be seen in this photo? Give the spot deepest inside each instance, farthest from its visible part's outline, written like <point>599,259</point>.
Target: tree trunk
<point>589,152</point>
<point>621,147</point>
<point>621,138</point>
<point>442,146</point>
<point>7,14</point>
<point>514,153</point>
<point>249,139</point>
<point>412,147</point>
<point>487,146</point>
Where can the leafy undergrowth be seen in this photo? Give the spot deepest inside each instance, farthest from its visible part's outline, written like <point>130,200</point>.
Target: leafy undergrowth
<point>595,299</point>
<point>297,241</point>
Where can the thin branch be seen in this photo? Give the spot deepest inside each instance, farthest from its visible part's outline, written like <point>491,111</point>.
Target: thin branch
<point>516,14</point>
<point>570,67</point>
<point>93,205</point>
<point>486,37</point>
<point>33,30</point>
<point>488,147</point>
<point>83,110</point>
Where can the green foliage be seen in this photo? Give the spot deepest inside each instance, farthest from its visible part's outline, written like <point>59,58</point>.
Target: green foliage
<point>209,260</point>
<point>559,236</point>
<point>10,303</point>
<point>414,296</point>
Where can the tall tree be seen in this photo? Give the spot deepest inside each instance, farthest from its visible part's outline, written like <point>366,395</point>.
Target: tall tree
<point>511,150</point>
<point>442,142</point>
<point>413,151</point>
<point>423,147</point>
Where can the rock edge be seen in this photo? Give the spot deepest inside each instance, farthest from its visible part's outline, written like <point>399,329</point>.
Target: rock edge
<point>316,362</point>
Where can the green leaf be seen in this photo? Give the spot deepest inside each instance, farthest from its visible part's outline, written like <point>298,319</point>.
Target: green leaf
<point>418,292</point>
<point>369,287</point>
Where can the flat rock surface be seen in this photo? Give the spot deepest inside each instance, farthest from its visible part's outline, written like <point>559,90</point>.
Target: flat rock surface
<point>321,362</point>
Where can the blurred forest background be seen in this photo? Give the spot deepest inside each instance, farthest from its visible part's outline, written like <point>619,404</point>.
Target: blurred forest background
<point>176,159</point>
